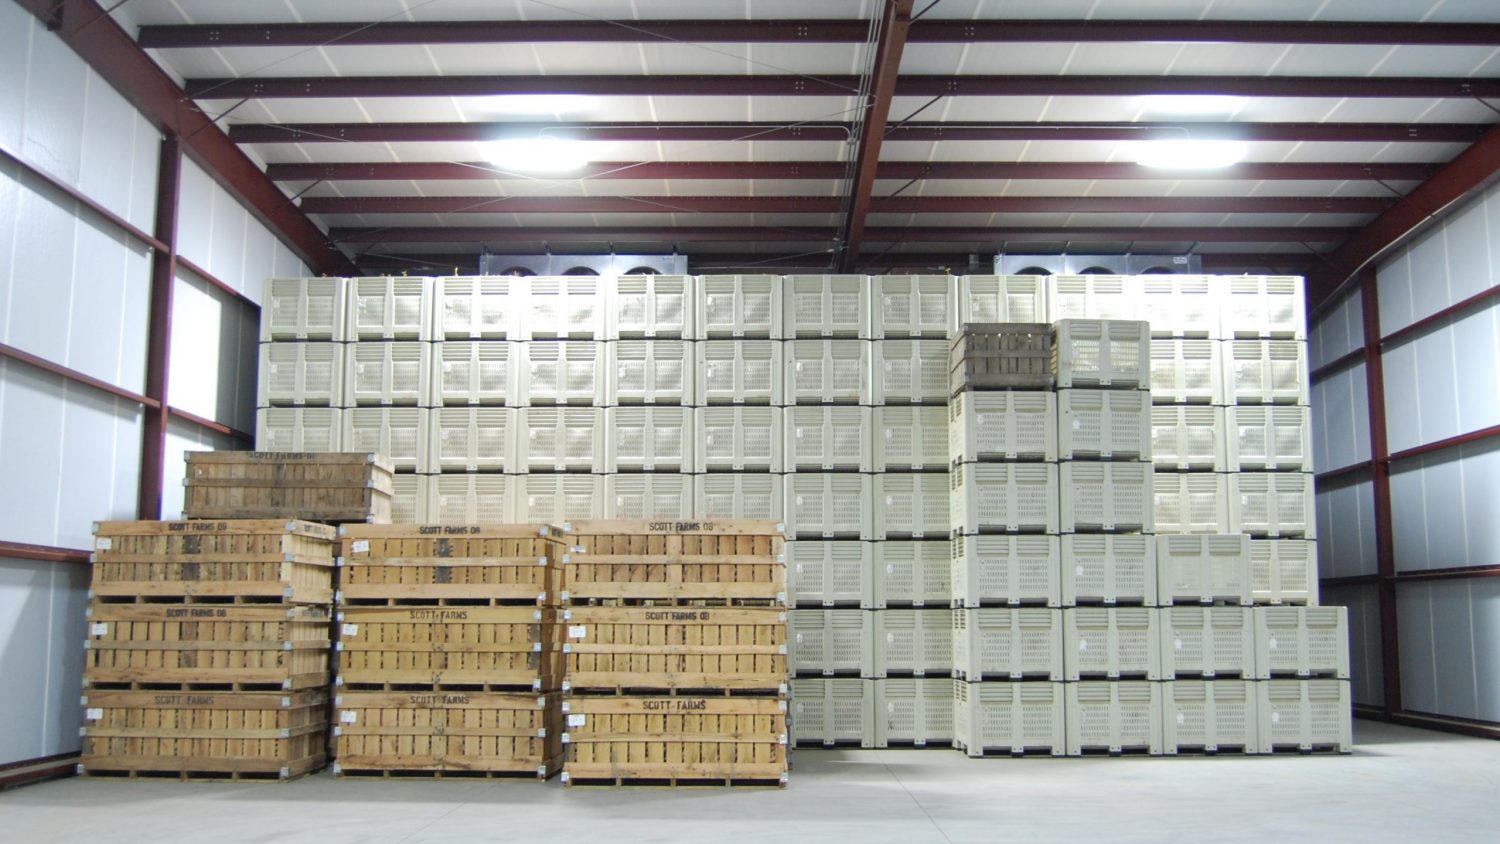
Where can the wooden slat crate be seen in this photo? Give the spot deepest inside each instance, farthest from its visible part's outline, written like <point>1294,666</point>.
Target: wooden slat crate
<point>701,563</point>
<point>204,736</point>
<point>448,648</point>
<point>193,735</point>
<point>449,565</point>
<point>197,647</point>
<point>713,650</point>
<point>318,486</point>
<point>675,741</point>
<point>441,734</point>
<point>1001,355</point>
<point>254,560</point>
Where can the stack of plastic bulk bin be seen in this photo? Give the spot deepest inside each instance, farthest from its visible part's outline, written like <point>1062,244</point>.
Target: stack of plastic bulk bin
<point>300,394</point>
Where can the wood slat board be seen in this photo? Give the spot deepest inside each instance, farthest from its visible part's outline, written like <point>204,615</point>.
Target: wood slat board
<point>707,739</point>
<point>730,561</point>
<point>499,648</point>
<point>330,487</point>
<point>741,648</point>
<point>448,732</point>
<point>450,564</point>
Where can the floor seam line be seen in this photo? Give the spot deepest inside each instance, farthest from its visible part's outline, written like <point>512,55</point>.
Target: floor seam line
<point>930,818</point>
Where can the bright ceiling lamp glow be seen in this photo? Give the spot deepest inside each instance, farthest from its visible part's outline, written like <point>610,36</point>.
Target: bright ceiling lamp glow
<point>538,155</point>
<point>540,105</point>
<point>1189,155</point>
<point>1192,104</point>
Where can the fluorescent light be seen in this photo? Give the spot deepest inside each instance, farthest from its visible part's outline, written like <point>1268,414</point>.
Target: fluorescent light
<point>1189,155</point>
<point>1192,104</point>
<point>538,155</point>
<point>536,104</point>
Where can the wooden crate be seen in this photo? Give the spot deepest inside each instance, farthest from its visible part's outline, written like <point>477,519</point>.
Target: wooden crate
<point>197,647</point>
<point>447,734</point>
<point>1002,355</point>
<point>450,564</point>
<point>735,650</point>
<point>675,741</point>
<point>448,648</point>
<point>702,563</point>
<point>193,735</point>
<point>243,560</point>
<point>317,486</point>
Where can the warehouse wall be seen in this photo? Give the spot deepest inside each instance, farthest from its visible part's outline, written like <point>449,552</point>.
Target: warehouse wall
<point>74,291</point>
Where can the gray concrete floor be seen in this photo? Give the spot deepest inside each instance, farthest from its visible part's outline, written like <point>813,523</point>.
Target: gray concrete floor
<point>1399,785</point>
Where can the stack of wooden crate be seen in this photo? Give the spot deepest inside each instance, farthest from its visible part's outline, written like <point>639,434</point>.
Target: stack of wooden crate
<point>675,656</point>
<point>448,652</point>
<point>208,649</point>
<point>328,487</point>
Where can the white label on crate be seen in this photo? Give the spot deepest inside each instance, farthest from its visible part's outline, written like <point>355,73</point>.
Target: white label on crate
<point>360,546</point>
<point>1272,644</point>
<point>1177,643</point>
<point>1275,717</point>
<point>1181,719</point>
<point>890,637</point>
<point>799,568</point>
<point>577,719</point>
<point>709,439</point>
<point>349,716</point>
<point>349,630</point>
<point>94,714</point>
<point>1078,570</point>
<point>577,631</point>
<point>887,366</point>
<point>104,543</point>
<point>890,568</point>
<point>799,366</point>
<point>1077,424</point>
<point>1083,644</point>
<point>799,501</point>
<point>99,628</point>
<point>799,641</point>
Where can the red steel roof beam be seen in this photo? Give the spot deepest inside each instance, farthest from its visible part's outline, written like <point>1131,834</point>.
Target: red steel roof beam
<point>894,21</point>
<point>906,234</point>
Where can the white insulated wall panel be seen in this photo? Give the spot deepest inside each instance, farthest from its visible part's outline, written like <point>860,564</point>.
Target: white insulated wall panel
<point>1340,419</point>
<point>1338,330</point>
<point>212,354</point>
<point>1366,672</point>
<point>1346,526</point>
<point>218,234</point>
<point>1449,631</point>
<point>1444,508</point>
<point>44,606</point>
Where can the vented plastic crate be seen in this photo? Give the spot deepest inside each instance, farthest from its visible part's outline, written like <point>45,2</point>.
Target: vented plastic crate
<point>1103,425</point>
<point>1108,569</point>
<point>477,307</point>
<point>1207,642</point>
<point>1264,306</point>
<point>1004,570</point>
<point>826,305</point>
<point>411,499</point>
<point>299,429</point>
<point>644,497</point>
<point>1191,502</point>
<point>1277,439</point>
<point>1110,643</point>
<point>561,439</point>
<point>472,439</point>
<point>911,306</point>
<point>398,434</point>
<point>1305,715</point>
<point>738,439</point>
<point>652,306</point>
<point>563,372</point>
<point>1272,504</point>
<point>301,374</point>
<point>1180,305</point>
<point>916,642</point>
<point>829,506</point>
<point>473,499</point>
<point>650,439</point>
<point>1210,716</point>
<point>911,505</point>
<point>1003,498</point>
<point>827,438</point>
<point>1009,718</point>
<point>1001,298</point>
<point>909,438</point>
<point>740,496</point>
<point>740,306</point>
<point>830,574</point>
<point>651,372</point>
<point>915,711</point>
<point>1008,425</point>
<point>390,308</point>
<point>1186,371</point>
<point>1265,371</point>
<point>554,499</point>
<point>569,306</point>
<point>1093,297</point>
<point>910,371</point>
<point>1106,497</point>
<point>1184,437</point>
<point>832,712</point>
<point>388,373</point>
<point>828,372</point>
<point>1102,353</point>
<point>1283,571</point>
<point>739,372</point>
<point>831,642</point>
<point>1114,717</point>
<point>1206,568</point>
<point>1010,644</point>
<point>1301,642</point>
<point>476,372</point>
<point>911,574</point>
<point>303,309</point>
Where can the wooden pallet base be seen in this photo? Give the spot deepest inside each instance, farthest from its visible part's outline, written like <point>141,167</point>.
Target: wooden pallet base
<point>290,684</point>
<point>197,769</point>
<point>367,767</point>
<point>538,685</point>
<point>578,601</point>
<point>346,601</point>
<point>218,600</point>
<point>673,782</point>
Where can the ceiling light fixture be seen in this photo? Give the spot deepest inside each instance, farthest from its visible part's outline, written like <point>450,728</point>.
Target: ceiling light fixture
<point>538,155</point>
<point>1189,155</point>
<point>1201,105</point>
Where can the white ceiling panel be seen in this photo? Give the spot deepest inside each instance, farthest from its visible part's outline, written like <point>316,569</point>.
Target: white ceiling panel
<point>1119,59</point>
<point>1098,220</point>
<point>1224,59</point>
<point>999,109</point>
<point>1438,61</point>
<point>1379,111</point>
<point>1040,59</point>
<point>955,151</point>
<point>1449,11</point>
<point>1332,60</point>
<point>1258,220</point>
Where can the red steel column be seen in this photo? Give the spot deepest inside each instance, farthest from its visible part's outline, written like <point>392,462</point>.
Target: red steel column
<point>1380,473</point>
<point>159,330</point>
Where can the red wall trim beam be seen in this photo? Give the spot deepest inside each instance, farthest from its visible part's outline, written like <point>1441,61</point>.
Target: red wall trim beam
<point>42,553</point>
<point>119,223</point>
